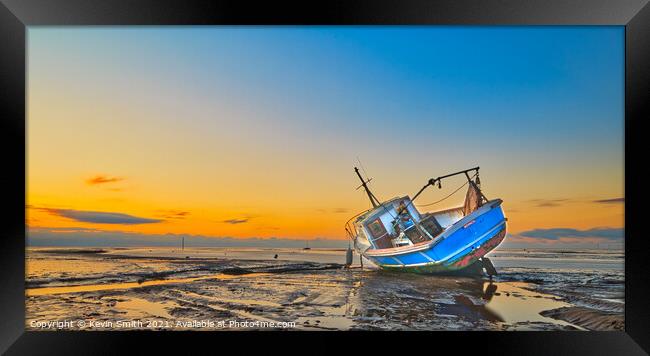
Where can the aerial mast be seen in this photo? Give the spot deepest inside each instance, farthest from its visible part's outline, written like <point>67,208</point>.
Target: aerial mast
<point>364,184</point>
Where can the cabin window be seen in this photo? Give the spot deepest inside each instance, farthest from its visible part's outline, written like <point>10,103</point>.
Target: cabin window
<point>404,218</point>
<point>377,228</point>
<point>431,226</point>
<point>379,234</point>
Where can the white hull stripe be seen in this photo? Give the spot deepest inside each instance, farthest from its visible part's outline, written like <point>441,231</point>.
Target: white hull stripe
<point>427,257</point>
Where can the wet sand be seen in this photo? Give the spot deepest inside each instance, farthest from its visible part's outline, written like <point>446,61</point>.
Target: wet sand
<point>221,289</point>
<point>588,318</point>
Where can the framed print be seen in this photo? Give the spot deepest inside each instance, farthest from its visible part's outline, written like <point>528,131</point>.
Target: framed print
<point>219,174</point>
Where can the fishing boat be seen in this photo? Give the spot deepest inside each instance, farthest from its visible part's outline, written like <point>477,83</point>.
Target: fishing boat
<point>394,235</point>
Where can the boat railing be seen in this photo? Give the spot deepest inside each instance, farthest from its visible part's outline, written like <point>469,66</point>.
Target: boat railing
<point>349,228</point>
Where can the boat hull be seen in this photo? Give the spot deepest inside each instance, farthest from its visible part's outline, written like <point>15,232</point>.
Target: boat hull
<point>463,264</point>
<point>456,252</point>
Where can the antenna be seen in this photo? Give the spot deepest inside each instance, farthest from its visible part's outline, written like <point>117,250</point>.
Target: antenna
<point>362,167</point>
<point>364,184</point>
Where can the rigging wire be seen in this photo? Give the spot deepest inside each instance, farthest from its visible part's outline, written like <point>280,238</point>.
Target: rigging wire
<point>452,193</point>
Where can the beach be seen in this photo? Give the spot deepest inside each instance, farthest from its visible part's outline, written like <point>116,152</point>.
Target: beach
<point>309,289</point>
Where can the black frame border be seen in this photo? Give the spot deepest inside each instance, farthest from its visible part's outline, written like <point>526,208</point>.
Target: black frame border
<point>16,15</point>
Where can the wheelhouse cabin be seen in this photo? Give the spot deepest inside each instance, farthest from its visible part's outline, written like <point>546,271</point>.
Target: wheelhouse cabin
<point>397,223</point>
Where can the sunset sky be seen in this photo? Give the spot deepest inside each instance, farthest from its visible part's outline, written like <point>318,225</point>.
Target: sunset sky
<point>252,132</point>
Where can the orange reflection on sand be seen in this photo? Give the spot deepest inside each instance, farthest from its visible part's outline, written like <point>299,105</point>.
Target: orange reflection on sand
<point>513,303</point>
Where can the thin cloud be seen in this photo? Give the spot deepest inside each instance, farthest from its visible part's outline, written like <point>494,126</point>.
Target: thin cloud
<point>102,179</point>
<point>548,203</point>
<point>611,201</point>
<point>100,217</point>
<point>236,221</point>
<point>173,214</point>
<point>65,229</point>
<point>242,219</point>
<point>333,211</point>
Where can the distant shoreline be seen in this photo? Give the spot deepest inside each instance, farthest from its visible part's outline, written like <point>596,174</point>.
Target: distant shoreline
<point>100,247</point>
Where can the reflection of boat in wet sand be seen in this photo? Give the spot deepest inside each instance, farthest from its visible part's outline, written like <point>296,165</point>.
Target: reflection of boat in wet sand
<point>394,235</point>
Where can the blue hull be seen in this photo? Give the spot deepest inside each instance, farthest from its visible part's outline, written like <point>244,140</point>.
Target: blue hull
<point>457,248</point>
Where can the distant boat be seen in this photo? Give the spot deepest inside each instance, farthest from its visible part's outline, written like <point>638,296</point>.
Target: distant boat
<point>394,235</point>
<point>306,246</point>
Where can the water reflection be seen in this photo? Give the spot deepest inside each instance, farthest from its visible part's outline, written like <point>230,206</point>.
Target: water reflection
<point>445,302</point>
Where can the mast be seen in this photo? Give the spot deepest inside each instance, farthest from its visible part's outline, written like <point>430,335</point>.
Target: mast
<point>373,199</point>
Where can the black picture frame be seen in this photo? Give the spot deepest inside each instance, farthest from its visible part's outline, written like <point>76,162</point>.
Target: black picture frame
<point>15,15</point>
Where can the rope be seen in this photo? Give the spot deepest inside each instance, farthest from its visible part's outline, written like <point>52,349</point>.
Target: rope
<point>452,193</point>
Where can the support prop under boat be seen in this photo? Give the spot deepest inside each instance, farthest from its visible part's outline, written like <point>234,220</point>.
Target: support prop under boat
<point>489,267</point>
